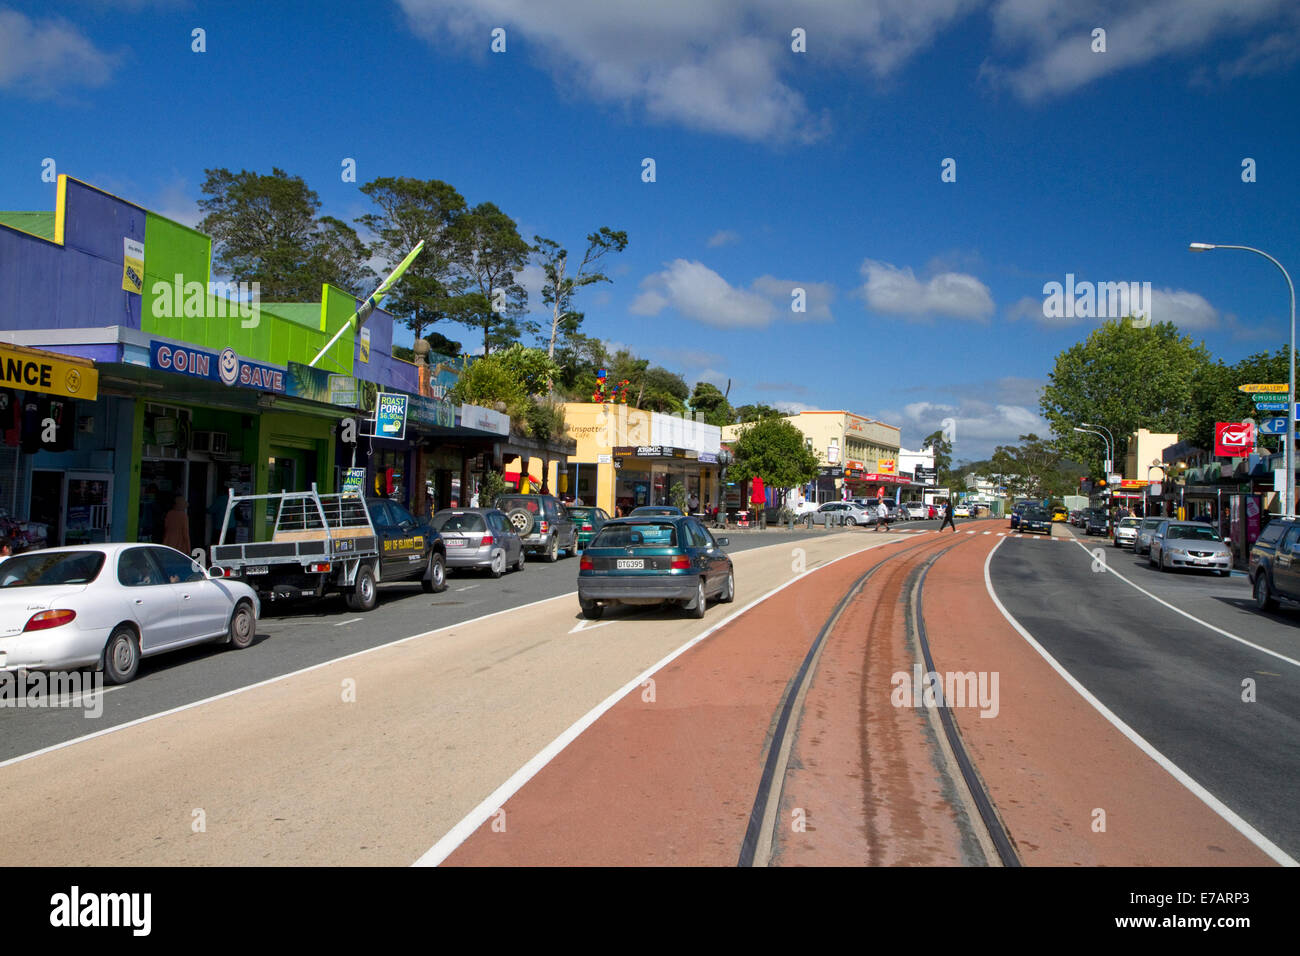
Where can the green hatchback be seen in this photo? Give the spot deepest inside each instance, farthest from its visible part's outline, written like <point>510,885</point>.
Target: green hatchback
<point>654,560</point>
<point>588,520</point>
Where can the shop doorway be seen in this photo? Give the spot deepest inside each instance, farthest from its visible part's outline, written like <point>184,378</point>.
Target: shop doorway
<point>88,507</point>
<point>161,480</point>
<point>46,506</point>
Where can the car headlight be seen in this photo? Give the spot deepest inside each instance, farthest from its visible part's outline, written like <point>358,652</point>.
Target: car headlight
<point>1178,552</point>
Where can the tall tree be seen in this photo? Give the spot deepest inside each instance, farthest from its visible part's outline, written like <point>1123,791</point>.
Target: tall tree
<point>1124,378</point>
<point>942,456</point>
<point>561,284</point>
<point>774,450</point>
<point>708,402</point>
<point>1220,400</point>
<point>411,211</point>
<point>487,254</point>
<point>266,230</point>
<point>1032,469</point>
<point>755,413</point>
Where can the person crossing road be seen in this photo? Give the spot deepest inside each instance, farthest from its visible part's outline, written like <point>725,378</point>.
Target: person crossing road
<point>947,518</point>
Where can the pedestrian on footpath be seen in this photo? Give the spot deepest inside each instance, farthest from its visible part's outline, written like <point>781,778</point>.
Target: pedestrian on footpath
<point>947,518</point>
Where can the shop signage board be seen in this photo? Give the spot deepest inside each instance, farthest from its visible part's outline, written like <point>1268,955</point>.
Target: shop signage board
<point>226,367</point>
<point>886,466</point>
<point>484,419</point>
<point>1233,438</point>
<point>36,371</point>
<point>354,480</point>
<point>431,411</point>
<point>390,416</point>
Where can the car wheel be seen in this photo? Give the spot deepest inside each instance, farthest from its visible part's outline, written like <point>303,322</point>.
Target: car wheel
<point>1264,599</point>
<point>243,626</point>
<point>1151,559</point>
<point>498,567</point>
<point>1225,573</point>
<point>363,596</point>
<point>728,589</point>
<point>553,554</point>
<point>591,610</point>
<point>696,608</point>
<point>435,579</point>
<point>519,565</point>
<point>1163,565</point>
<point>121,655</point>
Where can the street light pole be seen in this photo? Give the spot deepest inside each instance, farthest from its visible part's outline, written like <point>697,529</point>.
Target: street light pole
<point>1105,441</point>
<point>1288,505</point>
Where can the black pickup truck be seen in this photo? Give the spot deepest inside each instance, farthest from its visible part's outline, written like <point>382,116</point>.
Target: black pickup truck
<point>1274,567</point>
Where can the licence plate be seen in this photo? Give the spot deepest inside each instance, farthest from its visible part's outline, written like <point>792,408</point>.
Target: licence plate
<point>1201,560</point>
<point>454,542</point>
<point>631,564</point>
<point>256,569</point>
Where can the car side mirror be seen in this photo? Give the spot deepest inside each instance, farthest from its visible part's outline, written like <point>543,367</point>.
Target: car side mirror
<point>215,573</point>
<point>722,542</point>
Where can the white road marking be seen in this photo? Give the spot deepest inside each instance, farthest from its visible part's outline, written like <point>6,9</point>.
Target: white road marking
<point>1193,617</point>
<point>468,824</point>
<point>468,587</point>
<point>1274,852</point>
<point>589,625</point>
<point>349,621</point>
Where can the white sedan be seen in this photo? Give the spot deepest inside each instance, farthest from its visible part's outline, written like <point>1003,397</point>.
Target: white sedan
<point>109,605</point>
<point>961,511</point>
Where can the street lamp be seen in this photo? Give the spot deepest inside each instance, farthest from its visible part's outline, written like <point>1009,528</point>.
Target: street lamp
<point>1110,446</point>
<point>1288,506</point>
<point>1110,462</point>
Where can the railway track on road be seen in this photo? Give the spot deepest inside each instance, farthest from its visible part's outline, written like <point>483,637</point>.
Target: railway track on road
<point>911,565</point>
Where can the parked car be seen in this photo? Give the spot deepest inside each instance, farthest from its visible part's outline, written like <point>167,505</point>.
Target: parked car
<point>1097,522</point>
<point>1074,517</point>
<point>654,510</point>
<point>589,520</point>
<point>1190,544</point>
<point>1273,569</point>
<point>325,543</point>
<point>1018,510</point>
<point>110,605</point>
<point>480,538</point>
<point>652,560</point>
<point>1126,532</point>
<point>542,523</point>
<point>1036,521</point>
<point>961,511</point>
<point>917,510</point>
<point>849,512</point>
<point>1059,513</point>
<point>1146,530</point>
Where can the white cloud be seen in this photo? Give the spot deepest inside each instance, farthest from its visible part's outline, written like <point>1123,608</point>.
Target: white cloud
<point>697,292</point>
<point>720,66</point>
<point>817,297</point>
<point>723,237</point>
<point>891,290</point>
<point>1187,310</point>
<point>41,58</point>
<point>1056,38</point>
<point>793,408</point>
<point>978,426</point>
<point>532,277</point>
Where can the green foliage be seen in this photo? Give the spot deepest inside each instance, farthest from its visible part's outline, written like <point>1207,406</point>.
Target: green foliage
<point>774,450</point>
<point>411,211</point>
<point>677,495</point>
<point>1125,378</point>
<point>708,402</point>
<point>755,413</point>
<point>1220,401</point>
<point>545,420</point>
<point>488,381</point>
<point>1032,469</point>
<point>265,229</point>
<point>486,255</point>
<point>531,367</point>
<point>942,457</point>
<point>490,488</point>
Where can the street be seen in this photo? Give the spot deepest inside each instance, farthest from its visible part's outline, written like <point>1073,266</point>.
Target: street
<point>503,728</point>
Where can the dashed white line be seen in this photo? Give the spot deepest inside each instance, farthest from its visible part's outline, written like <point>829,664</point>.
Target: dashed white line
<point>349,621</point>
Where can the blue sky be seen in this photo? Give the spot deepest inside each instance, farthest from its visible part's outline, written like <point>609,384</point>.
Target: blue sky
<point>774,169</point>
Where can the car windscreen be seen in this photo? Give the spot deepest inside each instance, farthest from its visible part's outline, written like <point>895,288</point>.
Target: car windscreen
<point>1188,531</point>
<point>650,534</point>
<point>42,569</point>
<point>1036,514</point>
<point>1130,522</point>
<point>459,522</point>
